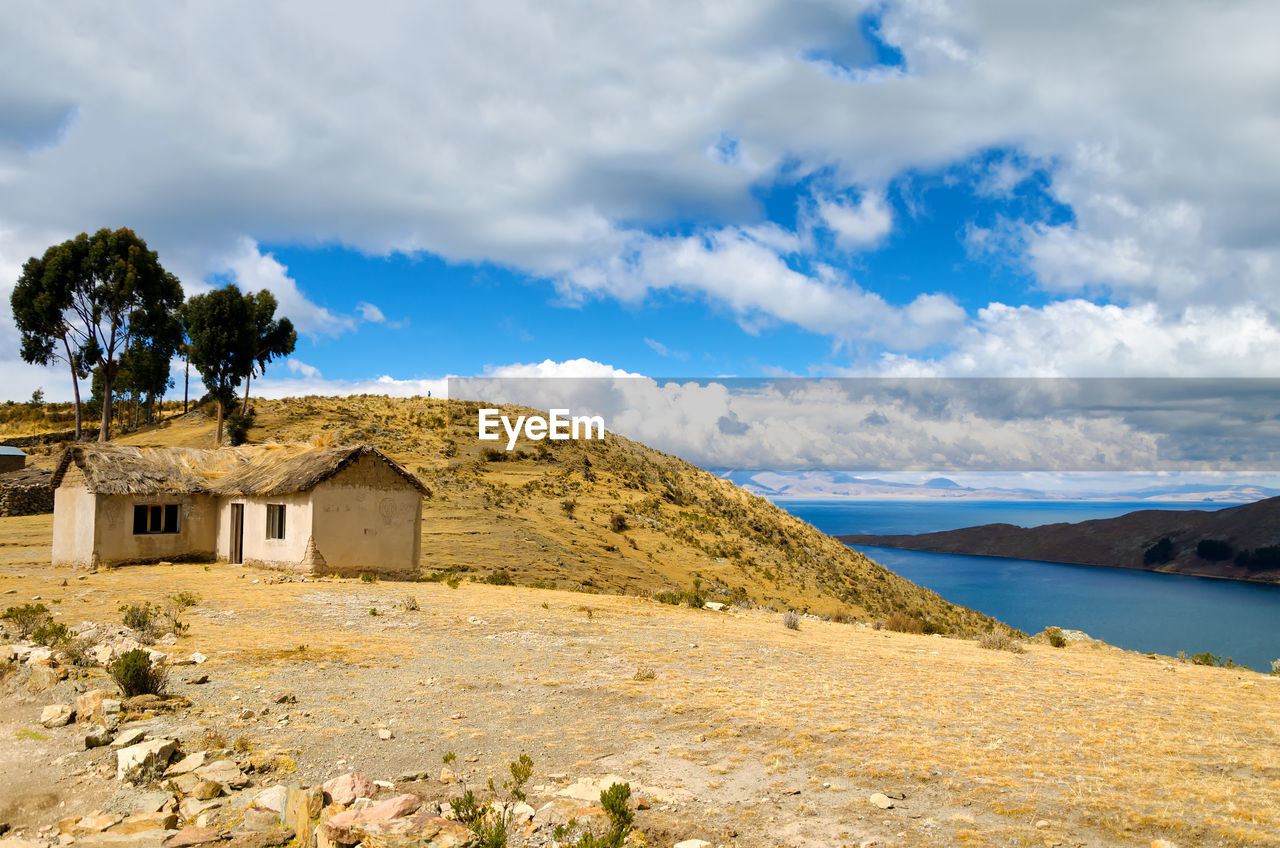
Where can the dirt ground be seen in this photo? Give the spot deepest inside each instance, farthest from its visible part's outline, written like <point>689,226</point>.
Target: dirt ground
<point>747,734</point>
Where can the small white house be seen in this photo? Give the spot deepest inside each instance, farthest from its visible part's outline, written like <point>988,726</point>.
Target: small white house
<point>335,510</point>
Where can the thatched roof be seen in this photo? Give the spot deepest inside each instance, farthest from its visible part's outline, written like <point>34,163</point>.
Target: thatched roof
<point>261,470</point>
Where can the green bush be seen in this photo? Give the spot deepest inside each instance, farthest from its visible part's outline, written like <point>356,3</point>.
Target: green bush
<point>790,620</point>
<point>238,427</point>
<point>499,578</point>
<point>142,619</point>
<point>27,618</point>
<point>618,523</point>
<point>135,674</point>
<point>1055,637</point>
<point>52,634</point>
<point>903,623</point>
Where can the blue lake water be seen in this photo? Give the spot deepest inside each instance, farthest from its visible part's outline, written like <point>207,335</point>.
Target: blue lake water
<point>1138,610</point>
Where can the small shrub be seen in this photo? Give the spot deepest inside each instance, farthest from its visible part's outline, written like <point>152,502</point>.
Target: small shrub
<point>790,620</point>
<point>373,611</point>
<point>493,455</point>
<point>213,740</point>
<point>618,523</point>
<point>175,605</point>
<point>568,505</point>
<point>141,618</point>
<point>409,603</point>
<point>672,598</point>
<point>449,757</point>
<point>1213,660</point>
<point>1275,666</point>
<point>242,745</point>
<point>903,623</point>
<point>1055,637</point>
<point>500,577</point>
<point>1000,642</point>
<point>27,618</point>
<point>452,581</point>
<point>52,634</point>
<point>237,426</point>
<point>366,577</point>
<point>645,672</point>
<point>135,674</point>
<point>77,651</point>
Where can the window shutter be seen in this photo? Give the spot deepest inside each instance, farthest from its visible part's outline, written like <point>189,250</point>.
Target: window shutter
<point>139,519</point>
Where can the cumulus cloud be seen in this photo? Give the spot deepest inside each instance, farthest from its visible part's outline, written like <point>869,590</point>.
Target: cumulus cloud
<point>252,270</point>
<point>216,123</point>
<point>370,313</point>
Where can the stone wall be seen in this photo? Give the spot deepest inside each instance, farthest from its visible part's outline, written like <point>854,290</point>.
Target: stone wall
<point>25,492</point>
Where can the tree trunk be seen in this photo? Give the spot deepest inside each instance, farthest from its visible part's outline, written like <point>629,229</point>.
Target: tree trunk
<point>186,382</point>
<point>217,434</point>
<point>137,408</point>
<point>244,410</point>
<point>75,383</point>
<point>108,390</point>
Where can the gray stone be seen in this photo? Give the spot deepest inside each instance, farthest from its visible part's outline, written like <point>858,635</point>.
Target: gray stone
<point>224,772</point>
<point>132,736</point>
<point>153,752</point>
<point>272,798</point>
<point>97,736</point>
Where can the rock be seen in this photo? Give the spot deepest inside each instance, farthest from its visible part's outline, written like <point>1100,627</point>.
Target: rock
<point>342,827</point>
<point>224,772</point>
<point>57,715</point>
<point>45,677</point>
<point>89,705</point>
<point>245,715</point>
<point>197,658</point>
<point>256,818</point>
<point>384,734</point>
<point>186,765</point>
<point>347,788</point>
<point>588,789</point>
<point>97,736</point>
<point>521,813</point>
<point>15,842</point>
<point>96,822</point>
<point>190,836</point>
<point>272,798</point>
<point>301,807</point>
<point>111,839</point>
<point>152,753</point>
<point>199,680</point>
<point>882,801</point>
<point>1161,843</point>
<point>641,802</point>
<point>693,843</point>
<point>39,655</point>
<point>189,808</point>
<point>154,802</point>
<point>713,605</point>
<point>206,790</point>
<point>129,737</point>
<point>412,776</point>
<point>147,821</point>
<point>259,839</point>
<point>420,830</point>
<point>1042,824</point>
<point>447,775</point>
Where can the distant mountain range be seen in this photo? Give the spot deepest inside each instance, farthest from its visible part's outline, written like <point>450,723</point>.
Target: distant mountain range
<point>1200,542</point>
<point>828,484</point>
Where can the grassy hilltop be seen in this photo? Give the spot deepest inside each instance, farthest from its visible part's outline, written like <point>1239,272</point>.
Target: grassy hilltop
<point>609,516</point>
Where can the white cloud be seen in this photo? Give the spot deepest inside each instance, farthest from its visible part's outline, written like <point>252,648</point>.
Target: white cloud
<point>215,122</point>
<point>857,225</point>
<point>297,366</point>
<point>370,313</point>
<point>254,271</point>
<point>1077,337</point>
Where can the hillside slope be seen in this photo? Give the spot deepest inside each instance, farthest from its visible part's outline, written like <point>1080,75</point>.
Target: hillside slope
<point>1120,541</point>
<point>546,514</point>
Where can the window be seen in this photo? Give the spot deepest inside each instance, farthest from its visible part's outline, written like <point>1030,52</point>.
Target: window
<point>275,521</point>
<point>155,518</point>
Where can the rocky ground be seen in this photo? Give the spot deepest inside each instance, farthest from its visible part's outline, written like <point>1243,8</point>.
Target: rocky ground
<point>728,727</point>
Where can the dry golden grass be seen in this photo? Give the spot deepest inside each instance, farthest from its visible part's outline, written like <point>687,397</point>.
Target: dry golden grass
<point>1110,747</point>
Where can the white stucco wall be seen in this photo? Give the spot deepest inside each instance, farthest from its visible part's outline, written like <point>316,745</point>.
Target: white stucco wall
<point>368,519</point>
<point>288,553</point>
<point>116,542</point>
<point>73,521</point>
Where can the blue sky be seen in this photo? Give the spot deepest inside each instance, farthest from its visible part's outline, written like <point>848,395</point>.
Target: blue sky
<point>958,188</point>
